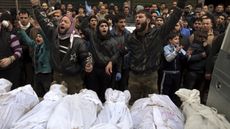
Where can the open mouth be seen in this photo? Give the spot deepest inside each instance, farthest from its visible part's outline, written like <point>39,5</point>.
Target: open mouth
<point>138,25</point>
<point>38,41</point>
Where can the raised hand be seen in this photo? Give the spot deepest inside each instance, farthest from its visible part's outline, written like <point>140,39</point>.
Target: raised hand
<point>35,2</point>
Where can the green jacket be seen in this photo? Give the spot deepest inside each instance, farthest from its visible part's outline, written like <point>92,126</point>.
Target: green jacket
<point>41,53</point>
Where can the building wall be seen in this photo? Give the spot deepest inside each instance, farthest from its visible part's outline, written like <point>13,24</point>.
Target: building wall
<point>9,4</point>
<point>168,2</point>
<point>92,2</point>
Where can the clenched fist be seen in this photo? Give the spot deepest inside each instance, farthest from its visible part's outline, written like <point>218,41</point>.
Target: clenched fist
<point>5,62</point>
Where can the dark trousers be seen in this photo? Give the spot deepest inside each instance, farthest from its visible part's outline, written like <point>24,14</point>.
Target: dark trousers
<point>204,91</point>
<point>193,80</point>
<point>98,81</point>
<point>13,75</point>
<point>27,73</point>
<point>42,83</point>
<point>141,85</point>
<point>170,84</point>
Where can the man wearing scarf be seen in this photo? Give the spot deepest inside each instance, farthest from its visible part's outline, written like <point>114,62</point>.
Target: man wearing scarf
<point>69,54</point>
<point>27,62</point>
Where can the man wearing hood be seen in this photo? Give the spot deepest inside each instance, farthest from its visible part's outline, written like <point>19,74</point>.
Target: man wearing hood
<point>69,54</point>
<point>105,54</point>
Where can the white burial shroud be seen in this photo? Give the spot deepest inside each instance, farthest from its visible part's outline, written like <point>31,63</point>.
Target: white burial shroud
<point>38,117</point>
<point>15,104</point>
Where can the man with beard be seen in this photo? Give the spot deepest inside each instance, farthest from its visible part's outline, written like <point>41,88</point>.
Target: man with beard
<point>120,34</point>
<point>104,50</point>
<point>145,47</point>
<point>68,50</point>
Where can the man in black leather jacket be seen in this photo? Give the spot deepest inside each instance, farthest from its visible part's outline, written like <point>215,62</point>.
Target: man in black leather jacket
<point>145,46</point>
<point>69,53</point>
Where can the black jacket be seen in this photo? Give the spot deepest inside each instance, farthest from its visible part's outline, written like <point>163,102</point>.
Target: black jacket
<point>214,50</point>
<point>145,51</point>
<point>103,50</point>
<point>124,57</point>
<point>197,62</point>
<point>77,54</point>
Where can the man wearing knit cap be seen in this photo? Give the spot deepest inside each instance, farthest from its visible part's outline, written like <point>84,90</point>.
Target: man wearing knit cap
<point>10,51</point>
<point>139,8</point>
<point>69,54</point>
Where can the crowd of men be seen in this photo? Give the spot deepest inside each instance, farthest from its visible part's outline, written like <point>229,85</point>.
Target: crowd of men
<point>172,46</point>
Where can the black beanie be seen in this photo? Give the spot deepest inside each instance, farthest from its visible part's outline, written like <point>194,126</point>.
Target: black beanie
<point>6,16</point>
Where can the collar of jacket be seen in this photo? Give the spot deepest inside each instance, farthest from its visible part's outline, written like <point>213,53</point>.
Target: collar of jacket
<point>146,33</point>
<point>114,32</point>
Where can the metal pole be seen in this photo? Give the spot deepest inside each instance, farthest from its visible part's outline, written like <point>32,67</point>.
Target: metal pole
<point>16,2</point>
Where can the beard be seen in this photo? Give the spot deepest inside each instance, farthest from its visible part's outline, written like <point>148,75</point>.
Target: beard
<point>62,33</point>
<point>121,28</point>
<point>143,26</point>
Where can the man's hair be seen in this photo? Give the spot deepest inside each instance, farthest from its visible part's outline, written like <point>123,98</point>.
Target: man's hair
<point>160,18</point>
<point>98,31</point>
<point>154,3</point>
<point>222,15</point>
<point>24,11</point>
<point>163,3</point>
<point>118,17</point>
<point>102,21</point>
<point>211,19</point>
<point>109,16</point>
<point>93,16</point>
<point>147,14</point>
<point>198,5</point>
<point>57,6</point>
<point>197,19</point>
<point>153,11</point>
<point>172,35</point>
<point>221,5</point>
